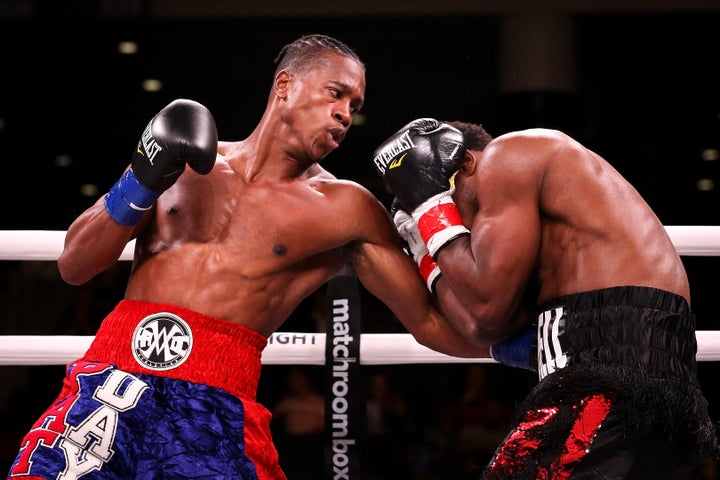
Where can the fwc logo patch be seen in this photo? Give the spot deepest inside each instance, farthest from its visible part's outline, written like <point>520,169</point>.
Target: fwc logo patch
<point>162,341</point>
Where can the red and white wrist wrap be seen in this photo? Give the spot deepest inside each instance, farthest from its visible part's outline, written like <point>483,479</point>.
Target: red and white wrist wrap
<point>430,271</point>
<point>439,222</point>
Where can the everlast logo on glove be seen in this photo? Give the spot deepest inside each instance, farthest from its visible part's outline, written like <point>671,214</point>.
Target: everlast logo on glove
<point>429,153</point>
<point>419,161</point>
<point>149,144</point>
<point>384,159</point>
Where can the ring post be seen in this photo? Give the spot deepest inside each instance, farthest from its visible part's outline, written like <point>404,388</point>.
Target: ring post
<point>344,385</point>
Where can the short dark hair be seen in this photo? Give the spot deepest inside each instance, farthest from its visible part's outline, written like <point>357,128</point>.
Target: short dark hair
<point>475,136</point>
<point>303,53</point>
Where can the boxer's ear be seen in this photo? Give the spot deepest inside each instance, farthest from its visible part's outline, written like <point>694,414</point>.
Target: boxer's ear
<point>282,80</point>
<point>469,163</point>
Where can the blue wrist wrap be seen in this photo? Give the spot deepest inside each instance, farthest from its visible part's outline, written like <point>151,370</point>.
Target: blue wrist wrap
<point>519,350</point>
<point>128,200</point>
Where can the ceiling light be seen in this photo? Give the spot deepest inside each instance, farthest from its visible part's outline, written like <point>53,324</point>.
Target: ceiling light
<point>706,184</point>
<point>63,161</point>
<point>89,190</point>
<point>152,85</point>
<point>710,154</point>
<point>127,48</point>
<point>359,119</point>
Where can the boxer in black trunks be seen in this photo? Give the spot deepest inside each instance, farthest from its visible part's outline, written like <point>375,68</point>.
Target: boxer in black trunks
<point>534,227</point>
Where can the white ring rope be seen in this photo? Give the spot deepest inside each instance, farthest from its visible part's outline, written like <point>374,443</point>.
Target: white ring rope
<point>288,348</point>
<point>697,240</point>
<point>284,348</point>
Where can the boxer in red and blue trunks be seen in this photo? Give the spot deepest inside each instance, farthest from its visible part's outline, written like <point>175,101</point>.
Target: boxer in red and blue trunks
<point>147,402</point>
<point>241,231</point>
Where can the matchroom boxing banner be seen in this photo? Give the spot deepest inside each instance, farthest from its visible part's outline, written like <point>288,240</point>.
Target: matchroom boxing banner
<point>344,385</point>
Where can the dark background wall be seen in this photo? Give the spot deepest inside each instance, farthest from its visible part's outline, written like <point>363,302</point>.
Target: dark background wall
<point>637,83</point>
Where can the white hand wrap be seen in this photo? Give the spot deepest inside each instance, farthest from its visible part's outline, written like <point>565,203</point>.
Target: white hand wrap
<point>408,230</point>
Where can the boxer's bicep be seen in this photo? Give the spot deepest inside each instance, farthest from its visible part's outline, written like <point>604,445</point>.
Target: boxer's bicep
<point>489,270</point>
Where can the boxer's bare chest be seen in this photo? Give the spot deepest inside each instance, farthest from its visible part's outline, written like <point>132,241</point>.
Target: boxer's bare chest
<point>255,229</point>
<point>245,252</point>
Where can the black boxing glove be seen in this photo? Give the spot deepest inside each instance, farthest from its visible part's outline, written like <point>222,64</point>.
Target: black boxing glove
<point>418,164</point>
<point>414,245</point>
<point>183,132</point>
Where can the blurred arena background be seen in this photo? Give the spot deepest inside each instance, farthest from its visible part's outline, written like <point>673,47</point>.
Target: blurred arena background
<point>637,81</point>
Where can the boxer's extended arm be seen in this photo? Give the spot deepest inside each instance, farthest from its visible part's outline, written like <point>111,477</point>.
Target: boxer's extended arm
<point>388,273</point>
<point>519,349</point>
<point>183,132</point>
